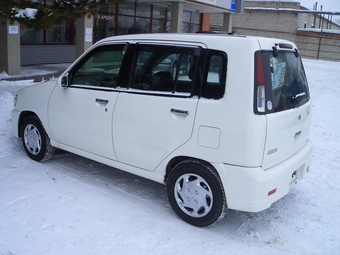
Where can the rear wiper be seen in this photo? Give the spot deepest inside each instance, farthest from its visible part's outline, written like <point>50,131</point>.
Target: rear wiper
<point>292,101</point>
<point>297,99</point>
<point>303,94</point>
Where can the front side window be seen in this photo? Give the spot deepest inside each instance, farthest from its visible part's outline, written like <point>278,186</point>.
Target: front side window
<point>161,68</point>
<point>100,68</point>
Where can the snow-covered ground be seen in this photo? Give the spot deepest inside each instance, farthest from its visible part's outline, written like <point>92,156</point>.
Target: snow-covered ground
<point>72,205</point>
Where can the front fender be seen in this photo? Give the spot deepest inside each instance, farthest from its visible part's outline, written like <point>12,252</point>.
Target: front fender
<point>33,99</point>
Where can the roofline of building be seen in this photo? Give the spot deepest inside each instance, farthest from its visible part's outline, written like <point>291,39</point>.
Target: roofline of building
<point>289,10</point>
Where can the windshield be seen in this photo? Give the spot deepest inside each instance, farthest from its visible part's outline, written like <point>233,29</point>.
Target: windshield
<point>288,81</point>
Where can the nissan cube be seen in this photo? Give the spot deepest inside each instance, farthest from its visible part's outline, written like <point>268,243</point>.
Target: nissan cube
<point>221,120</point>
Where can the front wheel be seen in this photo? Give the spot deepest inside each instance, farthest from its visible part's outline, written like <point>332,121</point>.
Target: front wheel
<point>196,194</point>
<point>35,140</point>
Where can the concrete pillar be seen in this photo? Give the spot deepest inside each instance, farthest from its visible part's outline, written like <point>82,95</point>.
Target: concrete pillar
<point>176,17</point>
<point>10,48</point>
<point>227,22</point>
<point>84,31</point>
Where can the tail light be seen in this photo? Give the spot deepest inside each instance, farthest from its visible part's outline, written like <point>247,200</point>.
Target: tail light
<point>260,98</point>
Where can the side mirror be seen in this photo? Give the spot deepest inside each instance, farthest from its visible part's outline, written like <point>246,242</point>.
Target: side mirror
<point>64,81</point>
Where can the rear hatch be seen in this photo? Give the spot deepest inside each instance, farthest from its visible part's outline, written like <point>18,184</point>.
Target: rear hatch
<point>281,93</point>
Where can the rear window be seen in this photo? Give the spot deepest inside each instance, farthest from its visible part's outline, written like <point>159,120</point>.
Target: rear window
<point>284,82</point>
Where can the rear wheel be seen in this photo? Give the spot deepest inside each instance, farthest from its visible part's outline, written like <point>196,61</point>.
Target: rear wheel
<point>35,140</point>
<point>196,194</point>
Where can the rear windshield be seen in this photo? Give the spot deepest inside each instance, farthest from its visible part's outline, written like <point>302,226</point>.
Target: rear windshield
<point>286,85</point>
<point>288,80</point>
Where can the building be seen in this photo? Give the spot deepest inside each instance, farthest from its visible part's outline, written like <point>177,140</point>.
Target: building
<point>63,43</point>
<point>315,32</point>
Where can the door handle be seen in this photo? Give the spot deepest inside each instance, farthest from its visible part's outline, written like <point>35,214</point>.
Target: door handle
<point>297,134</point>
<point>180,112</point>
<point>102,101</point>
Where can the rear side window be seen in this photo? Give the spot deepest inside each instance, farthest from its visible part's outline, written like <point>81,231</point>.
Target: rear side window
<point>165,69</point>
<point>280,82</point>
<point>216,73</point>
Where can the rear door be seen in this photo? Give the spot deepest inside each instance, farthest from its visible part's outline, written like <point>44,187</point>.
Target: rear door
<point>156,113</point>
<point>287,106</point>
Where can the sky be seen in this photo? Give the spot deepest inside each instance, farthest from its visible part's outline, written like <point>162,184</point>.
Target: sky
<point>328,5</point>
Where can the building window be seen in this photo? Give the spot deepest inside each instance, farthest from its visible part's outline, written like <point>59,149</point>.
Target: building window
<point>134,18</point>
<point>30,35</point>
<point>59,34</point>
<point>105,24</point>
<point>125,18</point>
<point>160,20</point>
<point>191,22</point>
<point>140,18</point>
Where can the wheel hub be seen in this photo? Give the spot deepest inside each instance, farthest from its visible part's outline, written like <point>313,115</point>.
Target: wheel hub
<point>32,139</point>
<point>193,195</point>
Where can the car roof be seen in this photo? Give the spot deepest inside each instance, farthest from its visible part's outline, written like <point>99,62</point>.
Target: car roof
<point>203,37</point>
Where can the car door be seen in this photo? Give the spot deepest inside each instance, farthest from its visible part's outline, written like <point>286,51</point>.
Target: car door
<point>155,115</point>
<point>80,115</point>
<point>288,106</point>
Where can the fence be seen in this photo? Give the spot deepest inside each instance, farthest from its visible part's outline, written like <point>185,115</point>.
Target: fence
<point>319,44</point>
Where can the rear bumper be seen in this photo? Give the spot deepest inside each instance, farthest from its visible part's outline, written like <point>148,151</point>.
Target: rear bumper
<point>248,189</point>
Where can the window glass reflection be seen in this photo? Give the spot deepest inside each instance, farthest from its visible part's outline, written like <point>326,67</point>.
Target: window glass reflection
<point>58,34</point>
<point>143,10</point>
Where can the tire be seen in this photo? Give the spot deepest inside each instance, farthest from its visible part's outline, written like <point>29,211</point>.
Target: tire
<point>35,140</point>
<point>196,194</point>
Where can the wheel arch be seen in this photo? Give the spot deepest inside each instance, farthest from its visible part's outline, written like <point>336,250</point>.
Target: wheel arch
<point>176,160</point>
<point>24,115</point>
<point>210,177</point>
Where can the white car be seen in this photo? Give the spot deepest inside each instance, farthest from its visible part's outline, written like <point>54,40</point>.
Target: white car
<point>229,132</point>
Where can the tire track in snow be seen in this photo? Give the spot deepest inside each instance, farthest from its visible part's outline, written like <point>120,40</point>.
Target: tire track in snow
<point>10,242</point>
<point>145,194</point>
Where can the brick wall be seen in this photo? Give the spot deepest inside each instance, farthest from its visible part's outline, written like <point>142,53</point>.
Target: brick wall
<point>275,24</point>
<point>323,45</point>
